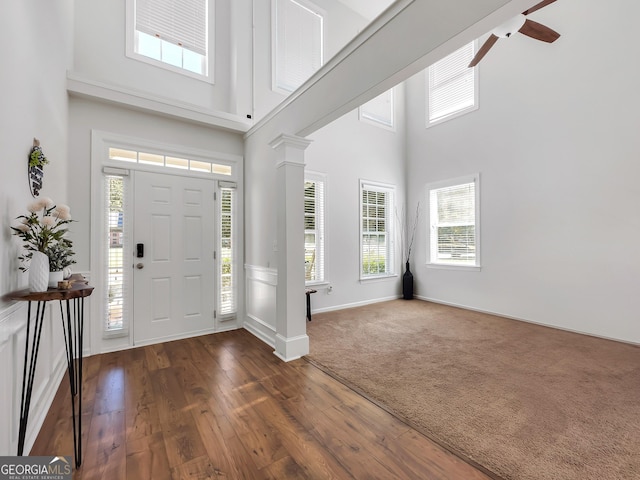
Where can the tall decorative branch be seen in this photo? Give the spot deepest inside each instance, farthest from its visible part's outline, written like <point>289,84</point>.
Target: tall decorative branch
<point>407,236</point>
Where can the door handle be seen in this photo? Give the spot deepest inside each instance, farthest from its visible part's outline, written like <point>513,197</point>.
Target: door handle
<point>139,266</point>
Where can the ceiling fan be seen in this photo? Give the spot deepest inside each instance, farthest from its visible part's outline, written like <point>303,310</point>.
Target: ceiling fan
<point>520,24</point>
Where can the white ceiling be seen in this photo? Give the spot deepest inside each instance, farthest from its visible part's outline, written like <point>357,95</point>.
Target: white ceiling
<point>369,9</point>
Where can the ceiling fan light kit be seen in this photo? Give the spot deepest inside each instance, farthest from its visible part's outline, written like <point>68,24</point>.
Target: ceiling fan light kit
<point>510,26</point>
<point>519,23</point>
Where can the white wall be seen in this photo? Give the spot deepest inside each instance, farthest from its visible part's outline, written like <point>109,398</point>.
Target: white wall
<point>35,45</point>
<point>100,48</point>
<point>556,143</point>
<point>340,25</point>
<point>348,150</point>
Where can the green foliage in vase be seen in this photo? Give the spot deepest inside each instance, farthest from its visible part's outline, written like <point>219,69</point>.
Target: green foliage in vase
<point>60,255</point>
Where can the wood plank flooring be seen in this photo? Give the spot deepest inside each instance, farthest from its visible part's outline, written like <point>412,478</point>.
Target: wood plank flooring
<point>223,406</point>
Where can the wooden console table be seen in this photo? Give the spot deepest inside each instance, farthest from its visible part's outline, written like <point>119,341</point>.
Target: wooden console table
<point>72,313</point>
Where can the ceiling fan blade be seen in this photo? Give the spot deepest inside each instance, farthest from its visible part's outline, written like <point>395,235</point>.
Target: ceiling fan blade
<point>486,46</point>
<point>538,6</point>
<point>539,32</point>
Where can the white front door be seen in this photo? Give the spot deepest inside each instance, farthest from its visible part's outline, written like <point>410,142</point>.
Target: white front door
<point>173,275</point>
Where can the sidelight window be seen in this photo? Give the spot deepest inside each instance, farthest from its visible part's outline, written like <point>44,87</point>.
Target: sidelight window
<point>116,314</point>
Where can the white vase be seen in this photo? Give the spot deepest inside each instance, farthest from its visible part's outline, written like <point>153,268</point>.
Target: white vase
<point>39,272</point>
<point>54,278</point>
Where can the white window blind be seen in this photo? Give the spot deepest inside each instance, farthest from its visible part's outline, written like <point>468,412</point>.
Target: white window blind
<point>452,85</point>
<point>453,221</point>
<point>314,191</point>
<point>181,22</point>
<point>376,226</point>
<point>379,110</point>
<point>228,265</point>
<point>298,43</point>
<point>116,314</point>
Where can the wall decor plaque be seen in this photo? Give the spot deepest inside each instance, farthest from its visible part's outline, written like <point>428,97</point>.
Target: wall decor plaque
<point>37,161</point>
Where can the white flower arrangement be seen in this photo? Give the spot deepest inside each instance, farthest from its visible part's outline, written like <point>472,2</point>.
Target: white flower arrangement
<point>44,230</point>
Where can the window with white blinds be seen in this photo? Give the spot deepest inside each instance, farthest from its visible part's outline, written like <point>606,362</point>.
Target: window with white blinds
<point>298,43</point>
<point>379,111</point>
<point>454,222</point>
<point>314,193</point>
<point>172,32</point>
<point>228,274</point>
<point>376,230</point>
<point>452,86</point>
<point>116,315</point>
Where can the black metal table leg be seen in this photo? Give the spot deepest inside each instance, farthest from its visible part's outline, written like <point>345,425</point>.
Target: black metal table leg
<point>308,292</point>
<point>73,327</point>
<point>29,370</point>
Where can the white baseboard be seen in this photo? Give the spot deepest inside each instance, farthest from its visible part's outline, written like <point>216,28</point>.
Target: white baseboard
<point>519,319</point>
<point>291,348</point>
<point>260,330</point>
<point>227,328</point>
<point>171,338</point>
<point>354,304</point>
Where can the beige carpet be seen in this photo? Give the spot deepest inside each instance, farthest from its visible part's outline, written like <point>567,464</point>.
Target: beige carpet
<point>524,401</point>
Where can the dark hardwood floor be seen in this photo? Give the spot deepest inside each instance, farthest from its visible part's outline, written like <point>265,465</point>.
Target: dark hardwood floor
<point>224,406</point>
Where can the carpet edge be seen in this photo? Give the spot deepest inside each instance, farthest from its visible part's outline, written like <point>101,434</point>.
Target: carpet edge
<point>399,417</point>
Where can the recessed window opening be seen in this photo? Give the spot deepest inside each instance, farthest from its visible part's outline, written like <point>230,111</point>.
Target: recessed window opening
<point>380,110</point>
<point>298,43</point>
<point>376,227</point>
<point>452,86</point>
<point>174,33</point>
<point>454,222</point>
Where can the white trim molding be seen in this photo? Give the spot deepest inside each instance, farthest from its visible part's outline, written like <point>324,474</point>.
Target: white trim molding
<point>261,287</point>
<point>292,348</point>
<point>82,87</point>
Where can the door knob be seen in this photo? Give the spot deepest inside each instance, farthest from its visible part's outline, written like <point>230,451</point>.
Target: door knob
<point>139,266</point>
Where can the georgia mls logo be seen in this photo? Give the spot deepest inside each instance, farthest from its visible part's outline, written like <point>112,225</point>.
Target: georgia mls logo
<point>35,468</point>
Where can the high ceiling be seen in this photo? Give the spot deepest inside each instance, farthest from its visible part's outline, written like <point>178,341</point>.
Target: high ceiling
<point>369,9</point>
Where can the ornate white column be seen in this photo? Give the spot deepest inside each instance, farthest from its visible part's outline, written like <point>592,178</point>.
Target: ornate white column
<point>291,329</point>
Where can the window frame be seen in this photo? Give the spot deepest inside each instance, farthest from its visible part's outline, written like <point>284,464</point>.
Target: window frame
<point>390,253</point>
<point>320,230</point>
<point>232,188</point>
<point>370,118</point>
<point>124,330</point>
<point>476,96</point>
<point>131,41</point>
<point>432,187</point>
<point>315,9</point>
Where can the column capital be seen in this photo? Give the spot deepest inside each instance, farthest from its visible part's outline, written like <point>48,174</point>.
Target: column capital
<point>301,143</point>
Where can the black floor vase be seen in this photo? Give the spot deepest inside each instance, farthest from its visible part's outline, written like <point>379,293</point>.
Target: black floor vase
<point>407,284</point>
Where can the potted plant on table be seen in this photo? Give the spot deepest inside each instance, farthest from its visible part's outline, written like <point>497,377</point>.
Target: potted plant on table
<point>43,234</point>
